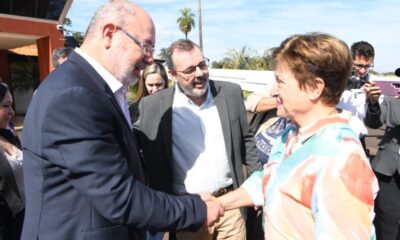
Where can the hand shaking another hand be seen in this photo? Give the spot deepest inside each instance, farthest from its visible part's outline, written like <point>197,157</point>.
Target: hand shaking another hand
<point>214,209</point>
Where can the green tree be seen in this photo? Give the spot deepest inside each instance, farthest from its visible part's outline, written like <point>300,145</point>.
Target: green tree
<point>78,36</point>
<point>186,21</point>
<point>237,59</point>
<point>246,59</point>
<point>163,53</point>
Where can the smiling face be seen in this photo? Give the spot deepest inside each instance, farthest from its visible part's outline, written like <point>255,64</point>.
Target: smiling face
<point>292,101</point>
<point>194,85</point>
<point>6,110</point>
<point>128,58</point>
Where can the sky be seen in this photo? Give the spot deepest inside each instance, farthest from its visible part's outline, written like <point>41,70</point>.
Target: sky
<point>263,24</point>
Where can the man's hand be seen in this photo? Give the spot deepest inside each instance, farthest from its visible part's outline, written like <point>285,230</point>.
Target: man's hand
<point>214,209</point>
<point>372,92</point>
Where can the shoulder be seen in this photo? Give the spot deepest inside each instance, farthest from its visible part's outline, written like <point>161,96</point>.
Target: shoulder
<point>225,85</point>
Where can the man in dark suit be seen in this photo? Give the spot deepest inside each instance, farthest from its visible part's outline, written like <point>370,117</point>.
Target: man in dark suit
<point>195,136</point>
<point>83,173</point>
<point>386,163</point>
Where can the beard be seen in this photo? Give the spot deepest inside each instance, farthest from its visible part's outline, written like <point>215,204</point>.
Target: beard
<point>190,90</point>
<point>126,76</point>
<point>126,71</point>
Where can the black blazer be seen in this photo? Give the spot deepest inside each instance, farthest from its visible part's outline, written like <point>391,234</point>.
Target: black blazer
<point>84,172</point>
<point>387,159</point>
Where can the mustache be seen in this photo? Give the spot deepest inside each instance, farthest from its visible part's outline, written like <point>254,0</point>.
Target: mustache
<point>200,79</point>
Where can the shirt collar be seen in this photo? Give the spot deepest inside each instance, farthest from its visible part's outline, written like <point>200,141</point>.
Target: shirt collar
<point>114,84</point>
<point>181,95</point>
<point>308,131</point>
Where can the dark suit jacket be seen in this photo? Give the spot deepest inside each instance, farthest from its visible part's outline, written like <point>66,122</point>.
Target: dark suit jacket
<point>154,130</point>
<point>387,159</point>
<point>83,173</point>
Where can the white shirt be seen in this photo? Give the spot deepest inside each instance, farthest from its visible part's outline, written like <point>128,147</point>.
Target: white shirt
<point>201,163</point>
<point>354,101</point>
<point>117,88</point>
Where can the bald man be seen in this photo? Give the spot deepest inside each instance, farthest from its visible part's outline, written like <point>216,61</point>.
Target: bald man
<point>83,173</point>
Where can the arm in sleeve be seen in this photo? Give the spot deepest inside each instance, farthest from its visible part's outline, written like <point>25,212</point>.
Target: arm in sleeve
<point>373,116</point>
<point>81,138</point>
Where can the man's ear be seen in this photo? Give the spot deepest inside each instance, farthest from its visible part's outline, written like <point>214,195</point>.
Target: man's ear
<point>108,32</point>
<point>173,75</point>
<point>315,92</point>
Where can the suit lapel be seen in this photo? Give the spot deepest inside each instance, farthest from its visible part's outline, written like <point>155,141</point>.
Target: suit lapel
<point>221,103</point>
<point>134,159</point>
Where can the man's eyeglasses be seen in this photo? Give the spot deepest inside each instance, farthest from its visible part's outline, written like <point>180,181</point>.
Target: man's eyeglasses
<point>366,66</point>
<point>203,65</point>
<point>147,48</point>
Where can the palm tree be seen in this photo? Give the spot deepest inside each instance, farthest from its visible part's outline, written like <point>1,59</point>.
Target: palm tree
<point>186,21</point>
<point>238,59</point>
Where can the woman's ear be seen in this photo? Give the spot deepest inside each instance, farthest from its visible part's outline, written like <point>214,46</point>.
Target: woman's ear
<point>316,91</point>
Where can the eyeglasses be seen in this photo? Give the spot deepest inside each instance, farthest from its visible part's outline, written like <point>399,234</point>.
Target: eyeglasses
<point>203,65</point>
<point>366,66</point>
<point>147,48</point>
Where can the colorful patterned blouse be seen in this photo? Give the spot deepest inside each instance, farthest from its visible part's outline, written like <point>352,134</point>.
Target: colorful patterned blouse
<point>318,184</point>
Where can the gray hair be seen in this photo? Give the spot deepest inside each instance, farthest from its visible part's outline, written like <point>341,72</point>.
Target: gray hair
<point>116,11</point>
<point>184,45</point>
<point>58,53</point>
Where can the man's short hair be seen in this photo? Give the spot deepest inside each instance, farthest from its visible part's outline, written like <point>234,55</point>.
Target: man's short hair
<point>184,45</point>
<point>363,49</point>
<point>60,52</point>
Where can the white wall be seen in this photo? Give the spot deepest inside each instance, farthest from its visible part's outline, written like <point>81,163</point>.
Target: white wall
<point>249,80</point>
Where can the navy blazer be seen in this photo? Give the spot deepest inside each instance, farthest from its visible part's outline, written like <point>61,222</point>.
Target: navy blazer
<point>387,159</point>
<point>83,173</point>
<point>154,133</point>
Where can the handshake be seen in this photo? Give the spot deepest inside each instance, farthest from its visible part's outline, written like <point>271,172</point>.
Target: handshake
<point>215,209</point>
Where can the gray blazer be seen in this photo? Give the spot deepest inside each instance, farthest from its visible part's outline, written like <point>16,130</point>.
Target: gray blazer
<point>154,134</point>
<point>387,159</point>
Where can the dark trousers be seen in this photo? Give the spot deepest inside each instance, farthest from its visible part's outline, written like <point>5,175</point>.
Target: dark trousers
<point>387,207</point>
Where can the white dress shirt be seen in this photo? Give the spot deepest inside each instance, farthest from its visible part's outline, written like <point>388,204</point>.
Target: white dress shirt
<point>117,88</point>
<point>201,163</point>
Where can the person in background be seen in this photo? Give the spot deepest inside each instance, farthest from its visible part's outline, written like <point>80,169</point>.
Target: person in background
<point>12,198</point>
<point>386,163</point>
<point>85,172</point>
<point>153,79</point>
<point>353,98</point>
<point>318,183</point>
<point>60,55</point>
<point>196,137</point>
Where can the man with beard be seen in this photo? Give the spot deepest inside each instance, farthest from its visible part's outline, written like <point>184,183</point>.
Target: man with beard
<point>195,137</point>
<point>84,175</point>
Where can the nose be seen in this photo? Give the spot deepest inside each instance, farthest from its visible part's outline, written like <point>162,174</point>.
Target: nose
<point>199,72</point>
<point>155,89</point>
<point>12,112</point>
<point>148,59</point>
<point>274,90</point>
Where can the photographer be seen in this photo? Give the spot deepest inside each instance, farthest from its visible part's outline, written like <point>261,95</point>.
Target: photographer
<point>353,98</point>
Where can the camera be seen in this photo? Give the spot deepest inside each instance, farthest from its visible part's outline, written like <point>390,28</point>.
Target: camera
<point>355,82</point>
